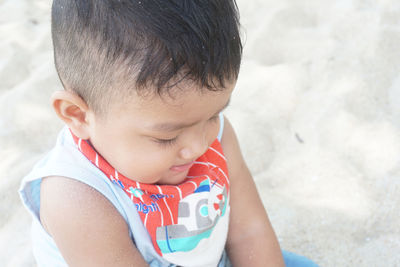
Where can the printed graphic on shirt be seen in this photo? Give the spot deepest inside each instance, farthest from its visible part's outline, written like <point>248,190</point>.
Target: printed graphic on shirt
<point>198,213</point>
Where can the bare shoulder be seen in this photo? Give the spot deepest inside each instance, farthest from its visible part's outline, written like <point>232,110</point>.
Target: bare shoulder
<point>85,225</point>
<point>231,148</point>
<point>250,231</point>
<point>242,186</point>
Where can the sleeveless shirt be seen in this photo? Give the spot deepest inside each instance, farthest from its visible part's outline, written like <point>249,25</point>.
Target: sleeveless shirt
<point>66,160</point>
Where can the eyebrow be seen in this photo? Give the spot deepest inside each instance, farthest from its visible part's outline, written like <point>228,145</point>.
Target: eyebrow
<point>170,127</point>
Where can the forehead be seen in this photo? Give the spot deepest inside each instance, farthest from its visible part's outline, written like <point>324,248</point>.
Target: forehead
<point>183,105</point>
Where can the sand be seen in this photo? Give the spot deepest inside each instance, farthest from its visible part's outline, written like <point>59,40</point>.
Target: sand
<point>316,110</point>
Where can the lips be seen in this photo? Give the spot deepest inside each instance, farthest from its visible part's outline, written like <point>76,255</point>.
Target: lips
<point>182,168</point>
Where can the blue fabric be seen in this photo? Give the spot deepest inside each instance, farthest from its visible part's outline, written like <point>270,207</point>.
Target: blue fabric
<point>221,126</point>
<point>293,260</point>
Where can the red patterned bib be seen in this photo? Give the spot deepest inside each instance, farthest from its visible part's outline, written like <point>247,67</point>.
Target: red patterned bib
<point>177,217</point>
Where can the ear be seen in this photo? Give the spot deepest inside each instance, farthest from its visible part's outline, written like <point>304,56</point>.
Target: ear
<point>73,110</point>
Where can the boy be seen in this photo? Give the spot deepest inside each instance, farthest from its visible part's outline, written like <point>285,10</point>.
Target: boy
<point>146,172</point>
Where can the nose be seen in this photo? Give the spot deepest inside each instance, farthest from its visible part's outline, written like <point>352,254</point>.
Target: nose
<point>195,146</point>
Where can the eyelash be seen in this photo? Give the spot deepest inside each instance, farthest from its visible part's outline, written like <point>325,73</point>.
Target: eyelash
<point>171,142</point>
<point>167,142</point>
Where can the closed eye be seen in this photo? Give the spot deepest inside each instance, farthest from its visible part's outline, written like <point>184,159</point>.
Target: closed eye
<point>166,142</point>
<point>172,141</point>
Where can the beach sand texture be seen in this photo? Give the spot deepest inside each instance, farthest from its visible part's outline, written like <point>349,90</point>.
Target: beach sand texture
<point>316,109</point>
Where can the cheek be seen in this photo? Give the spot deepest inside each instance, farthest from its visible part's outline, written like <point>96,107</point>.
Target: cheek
<point>133,156</point>
<point>146,161</point>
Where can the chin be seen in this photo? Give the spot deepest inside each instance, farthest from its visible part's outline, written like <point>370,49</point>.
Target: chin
<point>173,178</point>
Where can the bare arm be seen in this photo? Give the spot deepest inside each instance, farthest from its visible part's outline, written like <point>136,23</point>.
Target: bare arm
<point>86,227</point>
<point>251,239</point>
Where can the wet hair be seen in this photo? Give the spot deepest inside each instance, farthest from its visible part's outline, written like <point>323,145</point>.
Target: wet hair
<point>107,48</point>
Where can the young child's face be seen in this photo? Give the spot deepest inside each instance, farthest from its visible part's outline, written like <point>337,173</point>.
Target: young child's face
<point>155,140</point>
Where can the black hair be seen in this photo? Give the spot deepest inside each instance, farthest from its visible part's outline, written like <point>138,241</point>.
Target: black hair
<point>102,47</point>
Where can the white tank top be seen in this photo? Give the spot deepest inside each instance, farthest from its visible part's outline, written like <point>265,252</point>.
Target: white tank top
<point>67,161</point>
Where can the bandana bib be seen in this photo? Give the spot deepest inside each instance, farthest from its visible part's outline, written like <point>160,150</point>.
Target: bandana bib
<point>180,219</point>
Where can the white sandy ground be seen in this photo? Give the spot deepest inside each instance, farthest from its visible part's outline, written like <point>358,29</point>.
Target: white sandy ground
<point>317,111</point>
